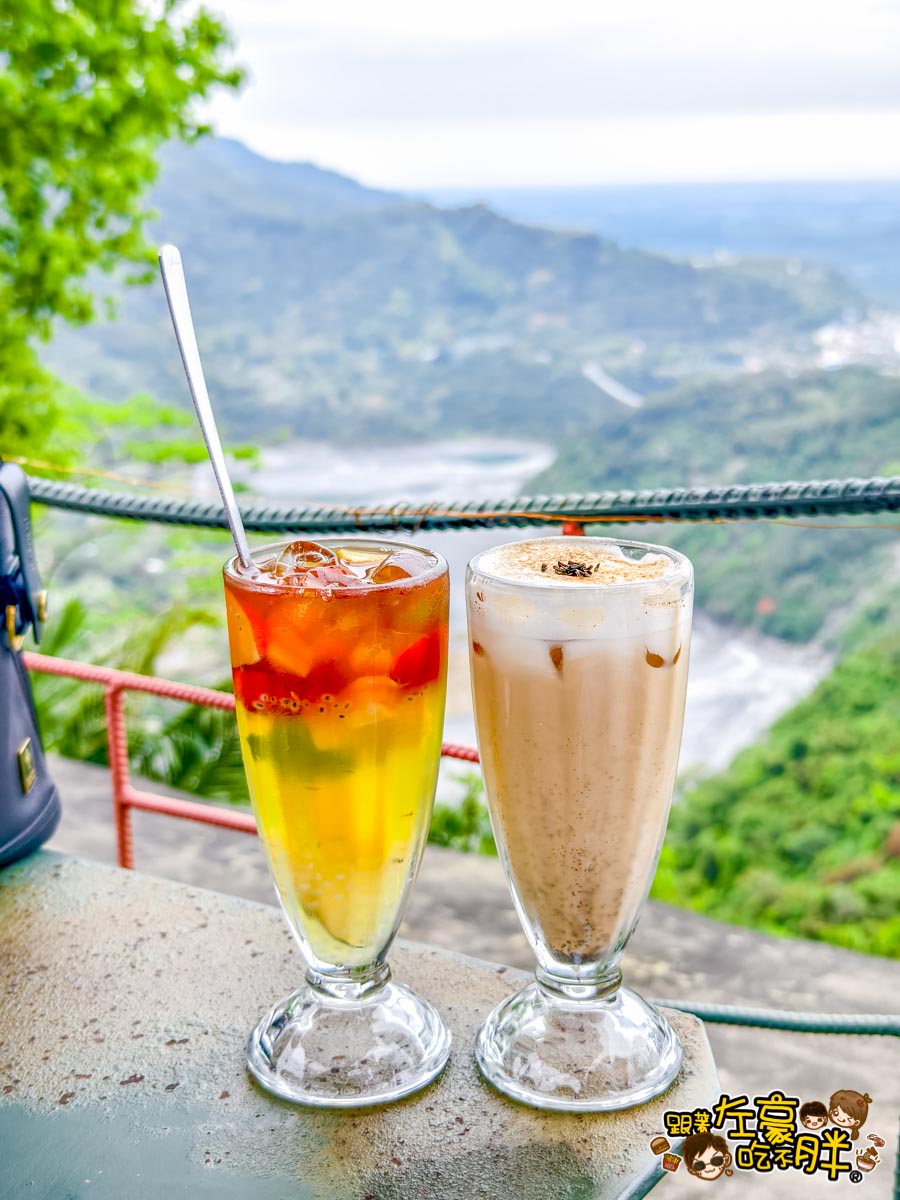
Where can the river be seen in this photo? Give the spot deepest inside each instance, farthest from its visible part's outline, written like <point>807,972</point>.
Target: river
<point>740,681</point>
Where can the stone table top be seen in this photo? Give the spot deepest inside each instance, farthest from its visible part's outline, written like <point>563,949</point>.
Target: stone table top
<point>127,1004</point>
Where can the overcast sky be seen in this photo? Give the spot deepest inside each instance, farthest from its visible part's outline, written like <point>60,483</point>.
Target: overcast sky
<point>418,93</point>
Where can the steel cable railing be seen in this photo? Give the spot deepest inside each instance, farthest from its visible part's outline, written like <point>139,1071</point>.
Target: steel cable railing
<point>746,502</point>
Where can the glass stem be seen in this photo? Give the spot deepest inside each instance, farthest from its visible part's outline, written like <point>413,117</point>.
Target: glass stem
<point>349,985</point>
<point>601,983</point>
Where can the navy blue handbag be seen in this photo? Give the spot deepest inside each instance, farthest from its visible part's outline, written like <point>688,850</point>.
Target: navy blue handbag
<point>29,801</point>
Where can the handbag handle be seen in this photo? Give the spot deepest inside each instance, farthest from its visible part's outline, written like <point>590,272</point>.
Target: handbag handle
<point>20,581</point>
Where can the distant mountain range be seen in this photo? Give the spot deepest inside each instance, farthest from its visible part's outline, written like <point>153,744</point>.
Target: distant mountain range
<point>328,309</point>
<point>852,226</point>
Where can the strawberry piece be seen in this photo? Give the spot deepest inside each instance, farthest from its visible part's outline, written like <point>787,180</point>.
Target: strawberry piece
<point>261,688</point>
<point>326,679</point>
<point>419,663</point>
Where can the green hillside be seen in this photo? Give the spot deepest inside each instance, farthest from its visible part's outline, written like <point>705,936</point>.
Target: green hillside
<point>802,834</point>
<point>785,580</point>
<point>763,426</point>
<point>336,311</point>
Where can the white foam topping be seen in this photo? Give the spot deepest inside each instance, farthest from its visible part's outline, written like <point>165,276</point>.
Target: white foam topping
<point>573,562</point>
<point>573,588</point>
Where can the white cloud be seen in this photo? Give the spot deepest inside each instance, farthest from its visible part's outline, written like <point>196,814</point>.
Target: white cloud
<point>582,152</point>
<point>481,21</point>
<point>404,93</point>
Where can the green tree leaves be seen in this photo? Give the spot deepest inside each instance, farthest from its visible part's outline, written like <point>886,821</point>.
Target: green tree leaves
<point>800,835</point>
<point>89,90</point>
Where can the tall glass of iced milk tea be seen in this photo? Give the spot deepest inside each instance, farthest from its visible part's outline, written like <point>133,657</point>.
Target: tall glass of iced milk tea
<point>579,652</point>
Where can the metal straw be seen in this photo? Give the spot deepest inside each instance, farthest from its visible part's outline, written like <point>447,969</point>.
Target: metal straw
<point>180,310</point>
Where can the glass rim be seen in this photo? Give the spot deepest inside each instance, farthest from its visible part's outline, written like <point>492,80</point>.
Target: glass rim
<point>232,569</point>
<point>683,568</point>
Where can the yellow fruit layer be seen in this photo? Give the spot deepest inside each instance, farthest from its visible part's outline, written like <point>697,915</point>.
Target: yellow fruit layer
<point>343,801</point>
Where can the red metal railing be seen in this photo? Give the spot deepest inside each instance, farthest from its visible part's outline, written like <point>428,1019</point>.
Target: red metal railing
<point>125,796</point>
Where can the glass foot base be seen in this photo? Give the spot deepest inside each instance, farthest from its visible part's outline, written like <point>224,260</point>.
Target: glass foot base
<point>578,1055</point>
<point>312,1049</point>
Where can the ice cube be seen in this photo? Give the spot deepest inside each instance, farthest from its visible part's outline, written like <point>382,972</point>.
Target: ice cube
<point>399,564</point>
<point>300,557</point>
<point>360,556</point>
<point>331,576</point>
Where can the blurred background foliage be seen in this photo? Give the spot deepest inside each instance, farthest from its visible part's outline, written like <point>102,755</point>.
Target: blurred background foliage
<point>88,94</point>
<point>800,835</point>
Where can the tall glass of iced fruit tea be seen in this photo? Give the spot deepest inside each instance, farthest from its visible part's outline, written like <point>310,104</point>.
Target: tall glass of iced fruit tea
<point>338,651</point>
